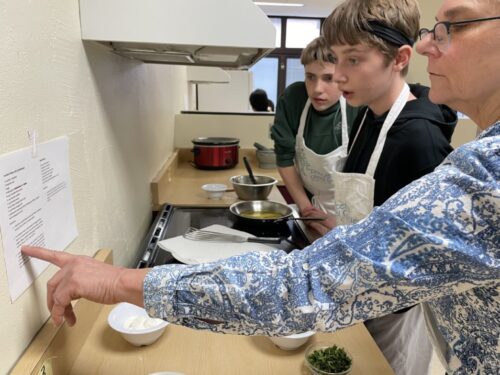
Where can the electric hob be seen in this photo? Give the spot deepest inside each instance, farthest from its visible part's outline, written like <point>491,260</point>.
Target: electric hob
<point>172,221</point>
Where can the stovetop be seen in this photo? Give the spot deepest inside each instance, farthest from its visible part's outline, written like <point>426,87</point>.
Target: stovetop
<point>173,221</point>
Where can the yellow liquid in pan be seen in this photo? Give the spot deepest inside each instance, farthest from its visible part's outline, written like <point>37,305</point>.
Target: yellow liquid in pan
<point>261,214</point>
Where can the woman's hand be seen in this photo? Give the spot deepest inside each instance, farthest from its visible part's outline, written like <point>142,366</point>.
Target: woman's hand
<point>84,277</point>
<point>321,226</point>
<point>310,210</point>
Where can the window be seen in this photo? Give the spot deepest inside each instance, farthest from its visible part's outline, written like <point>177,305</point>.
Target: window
<point>282,66</point>
<point>277,25</point>
<point>294,71</point>
<point>265,76</point>
<point>300,31</point>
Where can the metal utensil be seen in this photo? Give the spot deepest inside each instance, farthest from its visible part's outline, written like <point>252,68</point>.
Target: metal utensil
<point>206,235</point>
<point>312,218</point>
<point>249,170</point>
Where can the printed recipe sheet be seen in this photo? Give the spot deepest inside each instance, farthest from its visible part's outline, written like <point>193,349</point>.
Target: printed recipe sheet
<point>36,208</point>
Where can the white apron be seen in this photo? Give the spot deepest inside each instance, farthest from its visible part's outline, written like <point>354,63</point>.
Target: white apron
<point>355,191</point>
<point>401,337</point>
<point>316,171</point>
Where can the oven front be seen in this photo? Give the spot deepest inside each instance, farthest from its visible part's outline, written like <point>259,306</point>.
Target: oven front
<point>173,221</point>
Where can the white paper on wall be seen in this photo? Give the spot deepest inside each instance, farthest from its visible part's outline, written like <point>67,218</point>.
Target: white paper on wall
<point>36,208</point>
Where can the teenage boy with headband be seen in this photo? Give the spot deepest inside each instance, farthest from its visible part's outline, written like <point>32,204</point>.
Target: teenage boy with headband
<point>400,137</point>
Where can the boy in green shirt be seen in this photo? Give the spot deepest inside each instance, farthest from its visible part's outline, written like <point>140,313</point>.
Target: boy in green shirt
<point>308,129</point>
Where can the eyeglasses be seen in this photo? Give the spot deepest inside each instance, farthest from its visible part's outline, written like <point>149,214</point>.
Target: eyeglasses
<point>441,32</point>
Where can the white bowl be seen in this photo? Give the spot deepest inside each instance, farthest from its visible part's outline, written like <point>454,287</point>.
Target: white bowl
<point>214,191</point>
<point>292,342</point>
<point>147,330</point>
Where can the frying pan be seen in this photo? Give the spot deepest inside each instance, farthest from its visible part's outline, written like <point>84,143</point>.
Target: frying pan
<point>248,211</point>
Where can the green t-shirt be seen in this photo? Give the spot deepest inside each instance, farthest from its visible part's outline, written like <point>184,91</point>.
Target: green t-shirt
<point>323,130</point>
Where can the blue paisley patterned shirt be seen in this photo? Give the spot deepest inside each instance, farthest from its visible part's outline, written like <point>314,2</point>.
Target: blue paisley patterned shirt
<point>436,241</point>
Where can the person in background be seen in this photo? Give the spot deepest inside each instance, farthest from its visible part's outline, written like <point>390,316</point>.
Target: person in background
<point>270,105</point>
<point>398,138</point>
<point>259,101</point>
<point>434,241</point>
<point>309,132</point>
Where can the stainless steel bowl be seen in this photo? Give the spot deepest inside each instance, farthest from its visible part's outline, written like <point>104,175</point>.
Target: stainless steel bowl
<point>248,191</point>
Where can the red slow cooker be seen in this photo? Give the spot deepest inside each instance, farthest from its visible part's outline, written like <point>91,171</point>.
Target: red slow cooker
<point>215,152</point>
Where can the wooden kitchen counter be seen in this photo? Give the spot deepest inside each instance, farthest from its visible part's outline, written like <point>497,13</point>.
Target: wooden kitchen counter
<point>179,172</point>
<point>193,352</point>
<point>92,347</point>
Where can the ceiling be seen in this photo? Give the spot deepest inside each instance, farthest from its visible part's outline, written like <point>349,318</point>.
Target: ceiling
<point>311,8</point>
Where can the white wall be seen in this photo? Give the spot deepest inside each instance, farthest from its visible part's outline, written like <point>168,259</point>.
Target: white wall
<point>227,97</point>
<point>119,116</point>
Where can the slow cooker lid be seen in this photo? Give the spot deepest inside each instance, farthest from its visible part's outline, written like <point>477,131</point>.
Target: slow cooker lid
<point>215,141</point>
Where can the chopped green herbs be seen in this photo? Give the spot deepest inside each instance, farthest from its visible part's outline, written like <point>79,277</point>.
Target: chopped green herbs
<point>332,359</point>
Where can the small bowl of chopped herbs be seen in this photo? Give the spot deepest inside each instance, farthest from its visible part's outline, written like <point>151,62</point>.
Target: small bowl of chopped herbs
<point>324,358</point>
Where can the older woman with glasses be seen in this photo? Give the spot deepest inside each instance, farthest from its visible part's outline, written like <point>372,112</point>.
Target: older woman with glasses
<point>435,241</point>
<point>441,32</point>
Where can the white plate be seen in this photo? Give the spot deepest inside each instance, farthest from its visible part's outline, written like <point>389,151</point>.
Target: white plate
<point>195,252</point>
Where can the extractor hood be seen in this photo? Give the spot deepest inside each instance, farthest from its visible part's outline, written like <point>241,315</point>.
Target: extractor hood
<point>222,33</point>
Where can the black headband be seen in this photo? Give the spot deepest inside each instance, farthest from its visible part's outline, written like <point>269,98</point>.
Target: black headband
<point>389,33</point>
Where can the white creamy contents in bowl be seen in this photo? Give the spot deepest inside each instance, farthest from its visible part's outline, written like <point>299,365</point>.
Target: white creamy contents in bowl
<point>141,322</point>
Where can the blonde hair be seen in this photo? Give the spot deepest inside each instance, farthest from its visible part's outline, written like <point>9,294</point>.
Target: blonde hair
<point>317,50</point>
<point>348,22</point>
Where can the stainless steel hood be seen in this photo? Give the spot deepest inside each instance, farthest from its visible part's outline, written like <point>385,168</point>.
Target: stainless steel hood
<point>222,33</point>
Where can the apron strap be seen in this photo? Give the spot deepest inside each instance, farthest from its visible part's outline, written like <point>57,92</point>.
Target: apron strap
<point>359,130</point>
<point>391,118</point>
<point>303,118</point>
<point>343,112</point>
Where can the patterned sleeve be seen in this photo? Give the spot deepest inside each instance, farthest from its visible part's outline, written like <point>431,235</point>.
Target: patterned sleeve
<point>436,237</point>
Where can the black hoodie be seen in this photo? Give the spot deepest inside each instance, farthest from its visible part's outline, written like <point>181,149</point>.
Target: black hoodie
<point>416,143</point>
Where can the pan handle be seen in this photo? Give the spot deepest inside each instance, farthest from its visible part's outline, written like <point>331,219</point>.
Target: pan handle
<point>275,240</point>
<point>307,218</point>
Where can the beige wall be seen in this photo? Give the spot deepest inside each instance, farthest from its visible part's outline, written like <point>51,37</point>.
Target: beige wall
<point>466,130</point>
<point>247,128</point>
<point>119,116</point>
<point>418,65</point>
